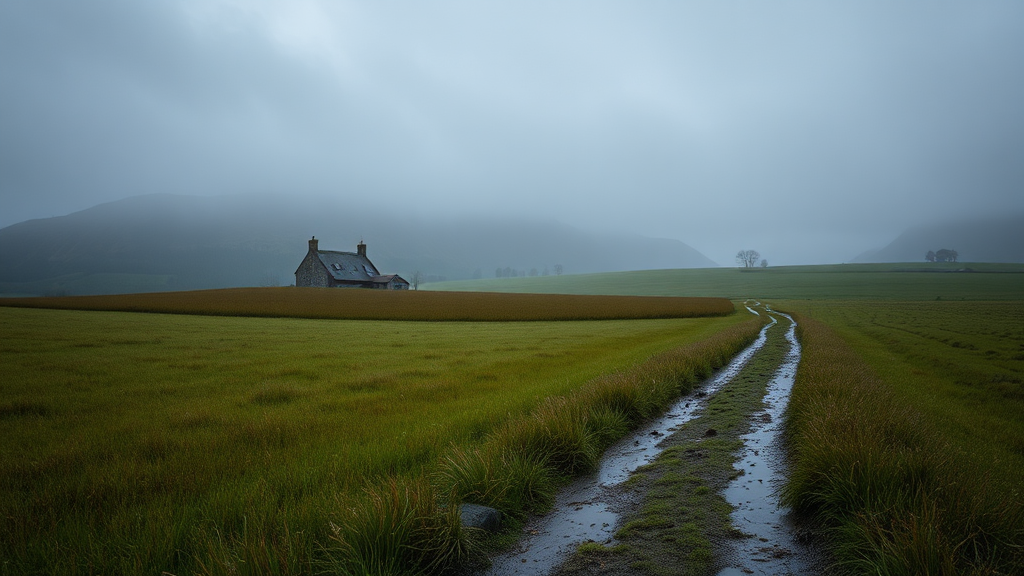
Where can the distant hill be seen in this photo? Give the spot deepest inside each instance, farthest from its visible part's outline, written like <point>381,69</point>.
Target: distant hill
<point>982,240</point>
<point>170,242</point>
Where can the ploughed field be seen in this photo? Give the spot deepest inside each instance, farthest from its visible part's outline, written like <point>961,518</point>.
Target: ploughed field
<point>186,443</point>
<point>356,304</point>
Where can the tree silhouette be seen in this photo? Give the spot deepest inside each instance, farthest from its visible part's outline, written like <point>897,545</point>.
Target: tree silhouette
<point>747,258</point>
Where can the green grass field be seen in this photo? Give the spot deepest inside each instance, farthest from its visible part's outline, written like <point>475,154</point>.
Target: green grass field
<point>907,430</point>
<point>832,282</point>
<point>135,443</point>
<point>961,363</point>
<point>907,419</point>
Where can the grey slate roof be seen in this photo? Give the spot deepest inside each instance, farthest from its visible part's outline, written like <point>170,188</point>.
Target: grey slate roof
<point>348,266</point>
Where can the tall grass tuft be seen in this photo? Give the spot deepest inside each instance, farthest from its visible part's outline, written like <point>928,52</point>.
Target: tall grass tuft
<point>881,479</point>
<point>511,482</point>
<point>556,433</point>
<point>397,528</point>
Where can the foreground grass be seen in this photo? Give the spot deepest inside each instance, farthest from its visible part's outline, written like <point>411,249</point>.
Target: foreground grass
<point>350,304</point>
<point>140,443</point>
<point>907,428</point>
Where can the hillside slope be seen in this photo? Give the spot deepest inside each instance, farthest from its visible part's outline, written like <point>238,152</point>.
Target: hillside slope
<point>988,240</point>
<point>170,242</point>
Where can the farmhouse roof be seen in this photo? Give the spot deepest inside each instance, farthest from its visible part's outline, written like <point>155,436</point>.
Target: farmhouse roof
<point>348,266</point>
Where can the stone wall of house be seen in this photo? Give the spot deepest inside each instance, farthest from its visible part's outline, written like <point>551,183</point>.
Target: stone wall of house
<point>312,272</point>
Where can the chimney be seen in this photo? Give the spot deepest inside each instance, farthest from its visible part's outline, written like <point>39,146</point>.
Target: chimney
<point>313,245</point>
<point>361,249</point>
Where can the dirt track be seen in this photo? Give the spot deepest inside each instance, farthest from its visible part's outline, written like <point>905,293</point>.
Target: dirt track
<point>663,500</point>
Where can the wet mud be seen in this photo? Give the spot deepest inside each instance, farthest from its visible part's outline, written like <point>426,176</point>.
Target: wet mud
<point>772,543</point>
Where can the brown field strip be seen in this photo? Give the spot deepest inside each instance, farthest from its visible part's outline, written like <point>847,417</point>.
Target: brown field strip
<point>332,303</point>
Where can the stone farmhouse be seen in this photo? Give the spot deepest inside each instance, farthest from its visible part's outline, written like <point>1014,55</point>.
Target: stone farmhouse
<point>331,269</point>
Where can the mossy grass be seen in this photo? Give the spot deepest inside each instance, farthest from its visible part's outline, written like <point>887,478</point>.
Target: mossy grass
<point>141,443</point>
<point>894,447</point>
<point>679,519</point>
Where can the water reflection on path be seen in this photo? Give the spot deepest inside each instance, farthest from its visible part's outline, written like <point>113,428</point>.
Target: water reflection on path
<point>772,547</point>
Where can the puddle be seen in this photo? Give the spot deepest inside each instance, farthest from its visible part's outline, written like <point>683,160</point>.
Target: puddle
<point>773,547</point>
<point>580,513</point>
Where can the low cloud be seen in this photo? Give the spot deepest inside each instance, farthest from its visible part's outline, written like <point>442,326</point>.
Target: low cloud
<point>809,132</point>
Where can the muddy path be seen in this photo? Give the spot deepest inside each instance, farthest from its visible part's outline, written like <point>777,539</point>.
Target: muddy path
<point>693,492</point>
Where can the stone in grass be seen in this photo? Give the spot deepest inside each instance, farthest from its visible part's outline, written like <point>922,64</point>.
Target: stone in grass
<point>482,517</point>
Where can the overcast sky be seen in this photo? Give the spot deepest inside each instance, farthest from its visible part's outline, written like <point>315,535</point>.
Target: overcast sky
<point>809,131</point>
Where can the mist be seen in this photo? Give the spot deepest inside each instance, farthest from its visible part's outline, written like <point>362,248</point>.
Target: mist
<point>807,131</point>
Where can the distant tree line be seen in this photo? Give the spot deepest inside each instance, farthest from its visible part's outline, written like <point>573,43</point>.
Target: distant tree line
<point>942,255</point>
<point>509,272</point>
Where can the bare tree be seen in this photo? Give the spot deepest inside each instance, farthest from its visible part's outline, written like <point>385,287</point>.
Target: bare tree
<point>416,280</point>
<point>747,258</point>
<point>764,263</point>
<point>558,269</point>
<point>930,256</point>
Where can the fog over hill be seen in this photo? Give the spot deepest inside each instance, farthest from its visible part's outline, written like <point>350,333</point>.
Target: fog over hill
<point>173,242</point>
<point>998,239</point>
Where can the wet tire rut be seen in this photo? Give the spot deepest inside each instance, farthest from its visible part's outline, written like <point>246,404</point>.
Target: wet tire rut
<point>691,493</point>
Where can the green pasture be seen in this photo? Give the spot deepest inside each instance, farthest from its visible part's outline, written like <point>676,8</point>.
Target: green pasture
<point>960,363</point>
<point>133,442</point>
<point>906,428</point>
<point>911,281</point>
